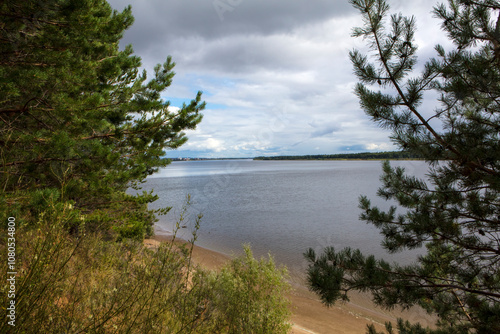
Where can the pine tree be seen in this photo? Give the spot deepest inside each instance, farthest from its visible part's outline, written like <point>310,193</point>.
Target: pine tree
<point>79,123</point>
<point>455,212</point>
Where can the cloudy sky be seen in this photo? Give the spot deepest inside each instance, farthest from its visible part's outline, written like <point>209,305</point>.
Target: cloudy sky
<point>275,73</point>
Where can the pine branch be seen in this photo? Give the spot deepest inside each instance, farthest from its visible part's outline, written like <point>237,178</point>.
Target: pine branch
<point>417,279</point>
<point>414,110</point>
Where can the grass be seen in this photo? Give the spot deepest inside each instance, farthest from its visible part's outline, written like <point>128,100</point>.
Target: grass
<point>86,283</point>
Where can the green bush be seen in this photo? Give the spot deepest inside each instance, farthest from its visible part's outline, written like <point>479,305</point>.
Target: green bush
<point>247,296</point>
<point>89,284</point>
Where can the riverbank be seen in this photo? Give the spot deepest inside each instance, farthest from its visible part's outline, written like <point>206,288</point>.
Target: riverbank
<point>309,315</point>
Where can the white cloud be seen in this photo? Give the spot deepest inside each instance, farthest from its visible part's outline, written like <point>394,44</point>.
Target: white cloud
<point>378,147</point>
<point>205,144</point>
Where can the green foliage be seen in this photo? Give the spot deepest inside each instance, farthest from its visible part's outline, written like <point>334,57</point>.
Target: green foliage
<point>248,296</point>
<point>405,327</point>
<point>77,116</point>
<point>455,212</point>
<point>85,284</point>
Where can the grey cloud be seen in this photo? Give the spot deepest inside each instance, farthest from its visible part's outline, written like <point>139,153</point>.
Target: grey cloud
<point>178,18</point>
<point>192,32</point>
<point>250,54</point>
<point>324,130</point>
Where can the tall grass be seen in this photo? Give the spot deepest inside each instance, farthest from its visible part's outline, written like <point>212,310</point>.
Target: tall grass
<point>87,284</point>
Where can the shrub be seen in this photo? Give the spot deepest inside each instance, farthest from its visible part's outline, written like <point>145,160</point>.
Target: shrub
<point>248,296</point>
<point>89,284</point>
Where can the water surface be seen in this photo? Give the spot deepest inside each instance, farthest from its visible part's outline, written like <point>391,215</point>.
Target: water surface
<point>281,207</point>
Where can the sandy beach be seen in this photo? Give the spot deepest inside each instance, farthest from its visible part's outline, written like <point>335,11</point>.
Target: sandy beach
<point>308,314</point>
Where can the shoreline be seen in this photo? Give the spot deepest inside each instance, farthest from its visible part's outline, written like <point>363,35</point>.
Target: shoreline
<point>309,315</point>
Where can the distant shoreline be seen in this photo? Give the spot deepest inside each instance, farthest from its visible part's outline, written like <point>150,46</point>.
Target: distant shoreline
<point>336,159</point>
<point>393,155</point>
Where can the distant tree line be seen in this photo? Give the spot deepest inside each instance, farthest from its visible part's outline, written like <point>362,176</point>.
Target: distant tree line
<point>394,155</point>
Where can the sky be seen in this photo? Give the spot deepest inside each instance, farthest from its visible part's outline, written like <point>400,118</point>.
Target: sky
<point>275,74</point>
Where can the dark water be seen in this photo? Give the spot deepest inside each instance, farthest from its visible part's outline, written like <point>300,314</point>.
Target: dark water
<point>281,207</point>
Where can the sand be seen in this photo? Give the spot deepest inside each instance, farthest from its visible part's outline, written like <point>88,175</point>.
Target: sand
<point>308,314</point>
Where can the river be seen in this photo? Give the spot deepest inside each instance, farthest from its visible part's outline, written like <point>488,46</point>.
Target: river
<point>278,207</point>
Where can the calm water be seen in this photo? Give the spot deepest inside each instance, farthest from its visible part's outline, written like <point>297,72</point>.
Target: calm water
<point>281,207</point>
